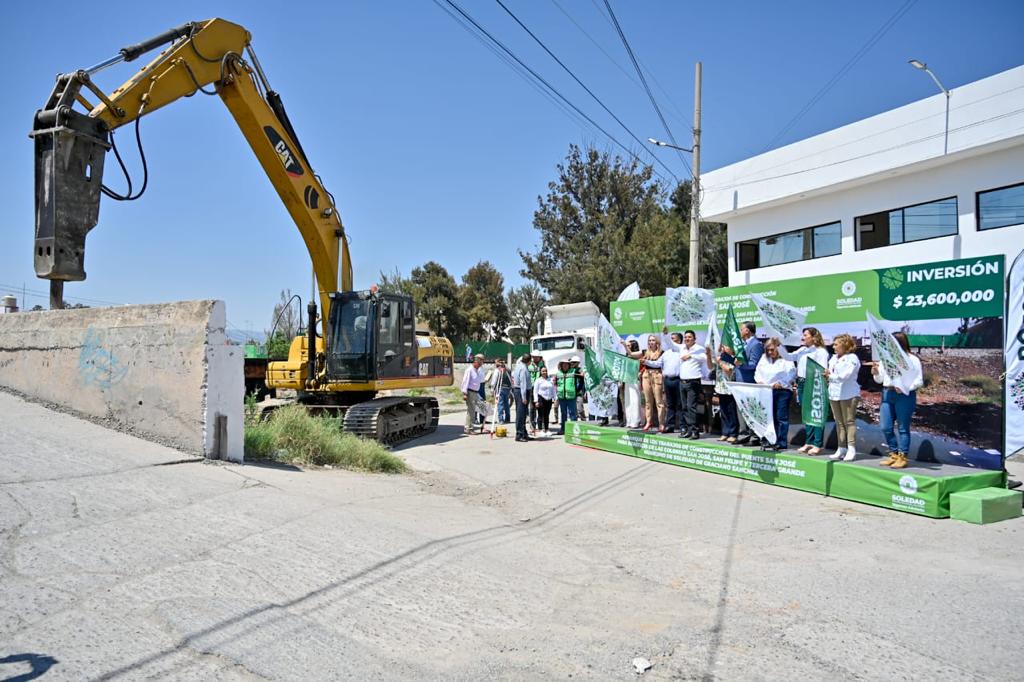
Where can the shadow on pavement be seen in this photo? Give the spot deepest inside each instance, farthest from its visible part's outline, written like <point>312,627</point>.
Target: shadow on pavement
<point>417,555</point>
<point>271,464</point>
<point>39,664</point>
<point>444,433</point>
<point>723,590</point>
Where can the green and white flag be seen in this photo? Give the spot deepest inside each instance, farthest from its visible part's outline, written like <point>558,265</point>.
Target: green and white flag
<point>592,368</point>
<point>781,320</point>
<point>814,398</point>
<point>714,337</point>
<point>887,351</point>
<point>1013,349</point>
<point>688,306</point>
<point>603,399</point>
<point>754,402</point>
<point>620,368</point>
<point>731,336</point>
<point>607,337</point>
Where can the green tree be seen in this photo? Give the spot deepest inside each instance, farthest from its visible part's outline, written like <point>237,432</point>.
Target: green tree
<point>438,300</point>
<point>603,224</point>
<point>285,325</point>
<point>482,299</point>
<point>526,307</point>
<point>395,283</point>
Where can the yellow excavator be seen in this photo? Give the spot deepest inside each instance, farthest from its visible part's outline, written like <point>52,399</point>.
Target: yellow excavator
<point>367,341</point>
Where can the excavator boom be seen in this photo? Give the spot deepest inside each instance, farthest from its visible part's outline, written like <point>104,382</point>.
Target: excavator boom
<point>368,341</point>
<point>72,136</point>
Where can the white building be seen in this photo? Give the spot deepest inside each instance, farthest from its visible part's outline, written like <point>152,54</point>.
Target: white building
<point>882,192</point>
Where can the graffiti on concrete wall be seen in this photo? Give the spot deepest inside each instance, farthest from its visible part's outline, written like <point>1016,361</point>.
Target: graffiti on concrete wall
<point>98,366</point>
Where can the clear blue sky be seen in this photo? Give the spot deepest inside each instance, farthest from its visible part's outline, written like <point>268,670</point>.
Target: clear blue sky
<point>433,147</point>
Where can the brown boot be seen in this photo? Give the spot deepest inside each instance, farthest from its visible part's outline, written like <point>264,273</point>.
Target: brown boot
<point>900,461</point>
<point>888,461</point>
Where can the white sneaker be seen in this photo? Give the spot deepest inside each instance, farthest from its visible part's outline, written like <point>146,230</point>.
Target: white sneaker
<point>851,455</point>
<point>838,454</point>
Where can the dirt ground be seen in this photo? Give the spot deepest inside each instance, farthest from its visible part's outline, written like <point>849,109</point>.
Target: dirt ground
<point>946,406</point>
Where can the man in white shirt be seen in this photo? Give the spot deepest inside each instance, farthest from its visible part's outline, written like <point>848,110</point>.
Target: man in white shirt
<point>521,385</point>
<point>670,377</point>
<point>471,381</point>
<point>691,361</point>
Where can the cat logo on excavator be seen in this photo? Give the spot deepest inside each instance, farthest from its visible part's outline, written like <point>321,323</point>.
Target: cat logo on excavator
<point>291,163</point>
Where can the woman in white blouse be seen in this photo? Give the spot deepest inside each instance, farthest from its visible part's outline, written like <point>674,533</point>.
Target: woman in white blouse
<point>813,349</point>
<point>544,396</point>
<point>897,408</point>
<point>843,392</point>
<point>779,373</point>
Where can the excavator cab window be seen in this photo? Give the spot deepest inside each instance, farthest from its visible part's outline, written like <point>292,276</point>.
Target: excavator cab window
<point>396,356</point>
<point>351,336</point>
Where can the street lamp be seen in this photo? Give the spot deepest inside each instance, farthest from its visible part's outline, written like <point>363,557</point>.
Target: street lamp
<point>921,66</point>
<point>659,143</point>
<point>694,268</point>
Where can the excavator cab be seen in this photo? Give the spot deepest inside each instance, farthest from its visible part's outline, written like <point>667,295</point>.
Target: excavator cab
<point>372,336</point>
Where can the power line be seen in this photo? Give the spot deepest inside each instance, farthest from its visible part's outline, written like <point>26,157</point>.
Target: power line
<point>650,95</point>
<point>522,73</point>
<point>539,78</point>
<point>583,85</point>
<point>857,56</point>
<point>46,294</point>
<point>647,70</point>
<point>612,59</point>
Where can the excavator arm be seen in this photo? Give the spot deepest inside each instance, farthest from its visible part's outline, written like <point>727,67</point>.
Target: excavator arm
<point>71,143</point>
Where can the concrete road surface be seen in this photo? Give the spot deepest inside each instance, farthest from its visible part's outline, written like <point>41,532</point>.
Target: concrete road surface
<point>120,559</point>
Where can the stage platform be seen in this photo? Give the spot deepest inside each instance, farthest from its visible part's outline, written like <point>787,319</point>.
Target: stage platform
<point>922,488</point>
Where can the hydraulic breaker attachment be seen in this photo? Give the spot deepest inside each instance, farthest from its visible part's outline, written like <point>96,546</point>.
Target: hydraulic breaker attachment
<point>69,152</point>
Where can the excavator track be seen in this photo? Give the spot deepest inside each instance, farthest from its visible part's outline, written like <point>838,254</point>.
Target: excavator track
<point>394,420</point>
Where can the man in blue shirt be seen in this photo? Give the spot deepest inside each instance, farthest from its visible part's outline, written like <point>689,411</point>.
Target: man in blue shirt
<point>754,349</point>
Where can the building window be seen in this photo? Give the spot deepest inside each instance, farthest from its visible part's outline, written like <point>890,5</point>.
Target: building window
<point>908,224</point>
<point>1001,207</point>
<point>790,247</point>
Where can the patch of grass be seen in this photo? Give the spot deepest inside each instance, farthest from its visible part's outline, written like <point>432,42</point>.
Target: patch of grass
<point>452,394</point>
<point>989,386</point>
<point>252,412</point>
<point>292,435</point>
<point>416,392</point>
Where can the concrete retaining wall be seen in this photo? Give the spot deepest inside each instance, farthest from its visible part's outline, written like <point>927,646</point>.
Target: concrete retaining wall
<point>163,372</point>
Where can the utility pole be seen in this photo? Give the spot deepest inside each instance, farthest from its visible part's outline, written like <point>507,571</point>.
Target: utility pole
<point>695,186</point>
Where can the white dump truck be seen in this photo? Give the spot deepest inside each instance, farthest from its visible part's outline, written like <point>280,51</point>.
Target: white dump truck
<point>566,331</point>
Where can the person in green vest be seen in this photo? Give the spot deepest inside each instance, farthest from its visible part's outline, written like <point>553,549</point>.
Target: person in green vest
<point>535,367</point>
<point>565,390</point>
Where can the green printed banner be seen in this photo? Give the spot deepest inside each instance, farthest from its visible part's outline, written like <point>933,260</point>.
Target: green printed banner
<point>789,471</point>
<point>814,405</point>
<point>970,287</point>
<point>964,288</point>
<point>906,490</point>
<point>917,491</point>
<point>620,368</point>
<point>592,368</point>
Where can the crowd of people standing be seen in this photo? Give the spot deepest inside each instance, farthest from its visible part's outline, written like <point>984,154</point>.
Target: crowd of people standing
<point>677,375</point>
